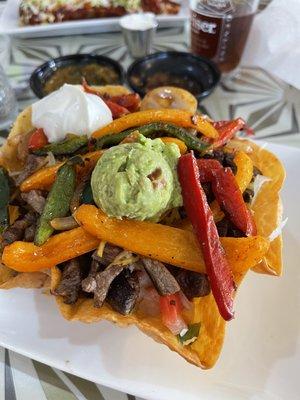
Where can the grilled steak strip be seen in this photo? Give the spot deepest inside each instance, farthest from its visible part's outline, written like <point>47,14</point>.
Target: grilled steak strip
<point>35,199</point>
<point>103,281</point>
<point>70,284</point>
<point>98,263</point>
<point>89,283</point>
<point>33,163</point>
<point>17,230</point>
<point>29,233</point>
<point>193,284</point>
<point>124,292</point>
<point>110,252</point>
<point>162,279</point>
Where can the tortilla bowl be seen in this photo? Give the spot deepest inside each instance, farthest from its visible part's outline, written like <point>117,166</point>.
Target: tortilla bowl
<point>205,351</point>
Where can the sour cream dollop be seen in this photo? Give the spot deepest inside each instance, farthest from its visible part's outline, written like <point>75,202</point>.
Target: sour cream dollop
<point>70,110</point>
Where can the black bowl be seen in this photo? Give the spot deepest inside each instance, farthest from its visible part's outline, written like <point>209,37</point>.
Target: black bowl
<point>171,68</point>
<point>44,71</point>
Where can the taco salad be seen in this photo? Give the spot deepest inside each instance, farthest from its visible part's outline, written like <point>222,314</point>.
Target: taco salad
<point>138,212</point>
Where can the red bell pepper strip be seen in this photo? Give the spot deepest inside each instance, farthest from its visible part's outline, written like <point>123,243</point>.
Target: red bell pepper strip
<point>227,194</point>
<point>37,140</point>
<point>200,215</point>
<point>131,101</point>
<point>116,109</point>
<point>227,130</point>
<point>206,169</point>
<point>170,309</point>
<point>230,199</point>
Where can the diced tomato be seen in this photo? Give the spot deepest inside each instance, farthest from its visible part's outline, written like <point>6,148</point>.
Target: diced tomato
<point>130,101</point>
<point>37,140</point>
<point>170,308</point>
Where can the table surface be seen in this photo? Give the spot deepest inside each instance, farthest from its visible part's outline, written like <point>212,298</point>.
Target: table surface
<point>270,106</point>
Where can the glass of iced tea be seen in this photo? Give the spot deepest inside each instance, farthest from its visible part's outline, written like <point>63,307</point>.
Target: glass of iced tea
<point>220,28</point>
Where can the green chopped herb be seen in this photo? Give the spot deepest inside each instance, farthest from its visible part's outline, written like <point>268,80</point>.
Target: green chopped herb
<point>191,335</point>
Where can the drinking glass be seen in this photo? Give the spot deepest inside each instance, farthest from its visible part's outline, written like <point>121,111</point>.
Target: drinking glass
<point>8,104</point>
<point>220,28</point>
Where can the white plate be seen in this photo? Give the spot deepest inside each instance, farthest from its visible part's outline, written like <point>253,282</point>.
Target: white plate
<point>9,23</point>
<point>261,355</point>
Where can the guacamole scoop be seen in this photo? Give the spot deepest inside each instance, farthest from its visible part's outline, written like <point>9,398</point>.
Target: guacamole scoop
<point>137,180</point>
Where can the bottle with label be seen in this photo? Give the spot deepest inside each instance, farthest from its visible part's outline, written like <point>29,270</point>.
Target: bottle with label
<point>220,28</point>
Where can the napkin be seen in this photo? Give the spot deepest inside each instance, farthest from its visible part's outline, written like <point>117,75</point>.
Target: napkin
<point>274,41</point>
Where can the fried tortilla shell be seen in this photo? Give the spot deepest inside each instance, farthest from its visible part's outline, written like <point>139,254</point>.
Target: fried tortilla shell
<point>267,207</point>
<point>205,351</point>
<point>12,157</point>
<point>10,279</point>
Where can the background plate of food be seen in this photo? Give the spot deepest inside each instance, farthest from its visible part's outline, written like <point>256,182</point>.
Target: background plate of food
<point>34,18</point>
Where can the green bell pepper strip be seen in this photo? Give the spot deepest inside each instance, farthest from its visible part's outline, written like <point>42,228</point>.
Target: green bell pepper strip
<point>4,199</point>
<point>68,146</point>
<point>154,130</point>
<point>58,201</point>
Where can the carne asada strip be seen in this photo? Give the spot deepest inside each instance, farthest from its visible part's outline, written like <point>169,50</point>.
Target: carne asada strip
<point>35,199</point>
<point>89,283</point>
<point>123,293</point>
<point>33,164</point>
<point>16,231</point>
<point>109,254</point>
<point>163,280</point>
<point>193,284</point>
<point>103,281</point>
<point>70,284</point>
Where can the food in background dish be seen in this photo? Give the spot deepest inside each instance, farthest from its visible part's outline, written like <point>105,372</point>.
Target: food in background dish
<point>33,12</point>
<point>159,79</point>
<point>169,97</point>
<point>152,220</point>
<point>94,73</point>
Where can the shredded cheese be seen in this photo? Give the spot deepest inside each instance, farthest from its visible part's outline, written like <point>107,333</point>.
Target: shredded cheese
<point>277,232</point>
<point>259,181</point>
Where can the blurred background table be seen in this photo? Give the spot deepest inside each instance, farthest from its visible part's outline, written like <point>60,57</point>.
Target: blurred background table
<point>270,106</point>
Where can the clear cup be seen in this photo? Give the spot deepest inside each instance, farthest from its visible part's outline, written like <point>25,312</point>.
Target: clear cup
<point>8,103</point>
<point>220,28</point>
<point>138,32</point>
